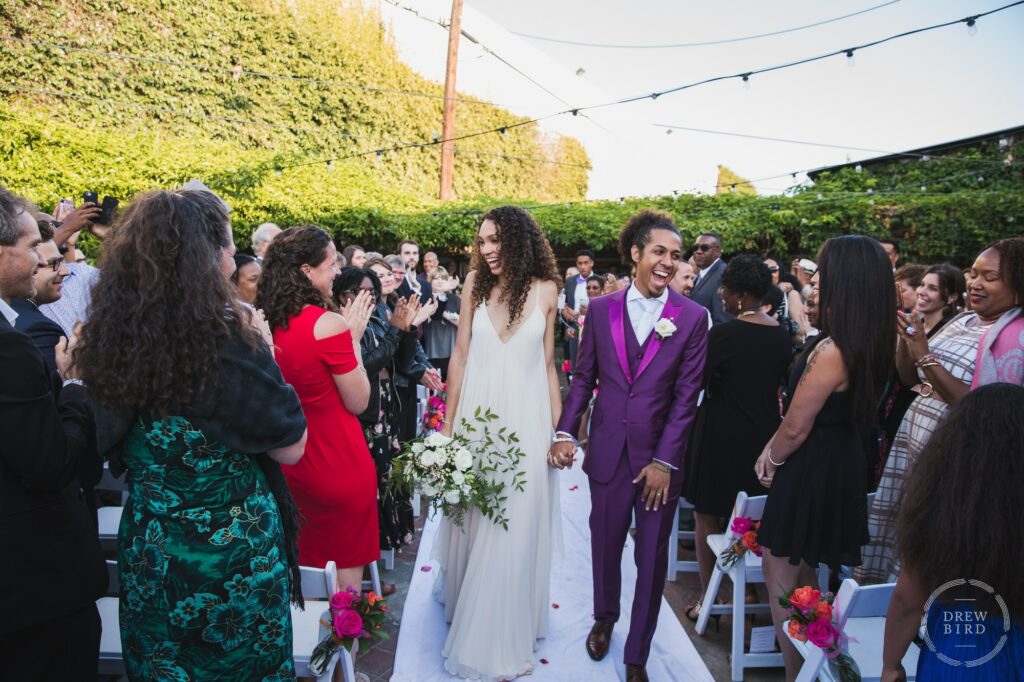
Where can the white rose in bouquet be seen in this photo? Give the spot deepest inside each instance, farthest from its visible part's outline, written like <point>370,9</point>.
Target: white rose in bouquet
<point>458,478</point>
<point>429,490</point>
<point>441,456</point>
<point>452,497</point>
<point>436,439</point>
<point>463,459</point>
<point>418,448</point>
<point>427,458</point>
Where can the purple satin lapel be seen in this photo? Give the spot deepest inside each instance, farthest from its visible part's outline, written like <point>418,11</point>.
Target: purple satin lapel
<point>669,312</point>
<point>615,316</point>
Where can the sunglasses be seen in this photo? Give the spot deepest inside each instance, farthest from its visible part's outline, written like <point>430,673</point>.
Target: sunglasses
<point>703,247</point>
<point>54,263</point>
<point>773,268</point>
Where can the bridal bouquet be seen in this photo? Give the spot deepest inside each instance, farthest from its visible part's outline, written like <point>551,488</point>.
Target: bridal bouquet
<point>810,619</point>
<point>745,532</point>
<point>353,618</point>
<point>473,470</point>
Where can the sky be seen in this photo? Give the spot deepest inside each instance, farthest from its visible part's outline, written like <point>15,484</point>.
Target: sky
<point>920,90</point>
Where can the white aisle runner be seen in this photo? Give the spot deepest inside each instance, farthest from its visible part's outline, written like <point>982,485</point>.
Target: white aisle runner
<point>561,656</point>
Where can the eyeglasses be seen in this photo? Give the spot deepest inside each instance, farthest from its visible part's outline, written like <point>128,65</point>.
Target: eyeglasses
<point>773,268</point>
<point>703,247</point>
<point>54,263</point>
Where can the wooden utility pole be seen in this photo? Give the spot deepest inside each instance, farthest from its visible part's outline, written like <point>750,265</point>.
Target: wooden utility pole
<point>448,119</point>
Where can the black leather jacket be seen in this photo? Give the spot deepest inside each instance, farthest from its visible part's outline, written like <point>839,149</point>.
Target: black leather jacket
<point>385,346</point>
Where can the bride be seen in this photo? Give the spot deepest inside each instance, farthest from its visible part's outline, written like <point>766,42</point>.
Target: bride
<point>495,583</point>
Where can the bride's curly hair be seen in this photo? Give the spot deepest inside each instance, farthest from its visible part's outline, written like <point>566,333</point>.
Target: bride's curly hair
<point>284,289</point>
<point>525,255</point>
<point>162,306</point>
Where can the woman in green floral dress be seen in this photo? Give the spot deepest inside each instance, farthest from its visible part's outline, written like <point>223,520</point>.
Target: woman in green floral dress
<point>199,416</point>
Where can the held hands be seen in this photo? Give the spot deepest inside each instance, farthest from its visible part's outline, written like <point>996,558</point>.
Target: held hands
<point>432,380</point>
<point>656,481</point>
<point>561,455</point>
<point>357,314</point>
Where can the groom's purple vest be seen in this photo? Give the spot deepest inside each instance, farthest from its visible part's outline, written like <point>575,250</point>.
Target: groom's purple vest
<point>647,395</point>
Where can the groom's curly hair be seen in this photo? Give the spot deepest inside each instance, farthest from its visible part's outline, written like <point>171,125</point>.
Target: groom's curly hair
<point>525,255</point>
<point>637,231</point>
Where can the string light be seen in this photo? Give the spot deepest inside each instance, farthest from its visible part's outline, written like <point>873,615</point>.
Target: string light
<point>850,61</point>
<point>972,26</point>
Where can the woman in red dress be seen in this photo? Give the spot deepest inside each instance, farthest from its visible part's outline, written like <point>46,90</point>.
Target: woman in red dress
<point>334,484</point>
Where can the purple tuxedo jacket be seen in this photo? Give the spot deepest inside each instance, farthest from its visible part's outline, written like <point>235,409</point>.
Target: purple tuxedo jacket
<point>652,409</point>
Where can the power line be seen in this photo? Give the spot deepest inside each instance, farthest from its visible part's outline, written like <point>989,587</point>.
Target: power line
<point>825,144</point>
<point>723,41</point>
<point>460,150</point>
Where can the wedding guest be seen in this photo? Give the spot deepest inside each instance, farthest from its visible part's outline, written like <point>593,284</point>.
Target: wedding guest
<point>708,255</point>
<point>76,291</point>
<point>908,279</point>
<point>409,251</point>
<point>384,340</point>
<point>319,354</point>
<point>938,301</point>
<point>595,288</point>
<point>48,282</point>
<point>747,361</point>
<point>942,371</point>
<point>430,262</point>
<point>355,255</point>
<point>262,236</point>
<point>892,251</point>
<point>575,294</point>
<point>53,568</point>
<point>811,309</point>
<point>792,310</point>
<point>246,277</point>
<point>814,466</point>
<point>1001,275</point>
<point>207,500</point>
<point>682,283</point>
<point>975,461</point>
<point>439,335</point>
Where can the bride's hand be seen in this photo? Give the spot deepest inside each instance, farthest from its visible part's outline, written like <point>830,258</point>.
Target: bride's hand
<point>560,455</point>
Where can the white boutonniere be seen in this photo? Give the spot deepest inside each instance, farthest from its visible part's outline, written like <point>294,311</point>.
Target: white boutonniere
<point>664,328</point>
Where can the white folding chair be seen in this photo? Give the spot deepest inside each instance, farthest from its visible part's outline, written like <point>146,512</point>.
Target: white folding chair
<point>747,569</point>
<point>674,565</point>
<point>858,612</point>
<point>109,519</point>
<point>388,557</point>
<point>113,483</point>
<point>312,625</point>
<point>111,659</point>
<point>374,582</point>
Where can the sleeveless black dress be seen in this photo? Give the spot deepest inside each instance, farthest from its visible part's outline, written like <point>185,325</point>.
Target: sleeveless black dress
<point>816,510</point>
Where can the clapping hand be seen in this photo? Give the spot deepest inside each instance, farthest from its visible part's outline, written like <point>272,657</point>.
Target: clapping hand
<point>405,313</point>
<point>357,314</point>
<point>425,312</point>
<point>910,329</point>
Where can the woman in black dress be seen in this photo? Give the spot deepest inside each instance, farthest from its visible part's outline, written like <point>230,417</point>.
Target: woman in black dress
<point>746,365</point>
<point>814,466</point>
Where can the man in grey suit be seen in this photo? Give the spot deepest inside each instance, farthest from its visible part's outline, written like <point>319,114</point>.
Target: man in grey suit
<point>707,253</point>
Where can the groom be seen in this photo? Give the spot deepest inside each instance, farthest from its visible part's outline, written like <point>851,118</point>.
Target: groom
<point>645,346</point>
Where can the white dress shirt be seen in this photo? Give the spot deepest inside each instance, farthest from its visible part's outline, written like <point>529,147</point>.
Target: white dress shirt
<point>644,312</point>
<point>580,295</point>
<point>8,312</point>
<point>704,271</point>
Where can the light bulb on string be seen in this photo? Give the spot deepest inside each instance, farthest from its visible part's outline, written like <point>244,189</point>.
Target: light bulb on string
<point>746,82</point>
<point>972,27</point>
<point>850,60</point>
<point>330,165</point>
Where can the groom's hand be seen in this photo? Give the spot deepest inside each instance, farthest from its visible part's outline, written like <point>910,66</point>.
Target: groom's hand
<point>655,485</point>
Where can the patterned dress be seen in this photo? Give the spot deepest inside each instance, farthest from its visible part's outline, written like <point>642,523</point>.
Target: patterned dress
<point>204,576</point>
<point>957,349</point>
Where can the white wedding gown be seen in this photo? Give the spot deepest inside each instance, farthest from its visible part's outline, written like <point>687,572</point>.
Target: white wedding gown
<point>495,584</point>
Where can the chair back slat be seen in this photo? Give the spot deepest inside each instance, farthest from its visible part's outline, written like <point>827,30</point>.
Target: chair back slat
<point>750,507</point>
<point>319,583</point>
<point>856,601</point>
<point>114,577</point>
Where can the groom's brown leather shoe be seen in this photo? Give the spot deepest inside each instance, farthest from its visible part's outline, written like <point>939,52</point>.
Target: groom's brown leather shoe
<point>636,673</point>
<point>598,640</point>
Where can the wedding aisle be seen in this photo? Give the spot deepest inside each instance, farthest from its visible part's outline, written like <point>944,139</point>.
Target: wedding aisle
<point>561,656</point>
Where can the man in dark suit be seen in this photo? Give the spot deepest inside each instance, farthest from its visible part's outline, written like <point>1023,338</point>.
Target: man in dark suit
<point>576,296</point>
<point>707,253</point>
<point>53,569</point>
<point>48,280</point>
<point>409,252</point>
